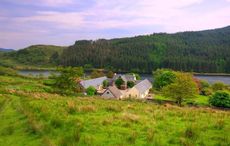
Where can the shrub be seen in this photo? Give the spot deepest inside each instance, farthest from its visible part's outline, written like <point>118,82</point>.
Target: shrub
<point>110,74</point>
<point>204,84</point>
<point>130,84</point>
<point>91,91</point>
<point>105,83</point>
<point>119,82</point>
<point>218,86</point>
<point>206,92</point>
<point>198,83</point>
<point>138,77</point>
<point>97,73</point>
<point>220,99</point>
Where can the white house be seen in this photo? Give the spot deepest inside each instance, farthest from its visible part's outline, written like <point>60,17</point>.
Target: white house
<point>140,90</point>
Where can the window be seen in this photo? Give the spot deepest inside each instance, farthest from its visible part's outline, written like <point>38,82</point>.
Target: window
<point>107,92</point>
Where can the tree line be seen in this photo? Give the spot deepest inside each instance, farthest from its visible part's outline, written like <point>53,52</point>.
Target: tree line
<point>202,51</point>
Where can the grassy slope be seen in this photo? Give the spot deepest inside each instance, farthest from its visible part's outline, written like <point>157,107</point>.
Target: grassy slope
<point>30,116</point>
<point>198,99</point>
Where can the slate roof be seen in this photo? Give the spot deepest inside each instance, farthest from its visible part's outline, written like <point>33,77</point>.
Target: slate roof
<point>143,86</point>
<point>115,91</point>
<point>125,77</point>
<point>130,77</point>
<point>93,82</point>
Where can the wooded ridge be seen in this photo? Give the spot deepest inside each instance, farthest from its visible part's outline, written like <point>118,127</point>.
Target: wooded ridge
<point>201,51</point>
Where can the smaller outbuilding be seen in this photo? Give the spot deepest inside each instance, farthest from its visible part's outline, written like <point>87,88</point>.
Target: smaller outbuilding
<point>112,92</point>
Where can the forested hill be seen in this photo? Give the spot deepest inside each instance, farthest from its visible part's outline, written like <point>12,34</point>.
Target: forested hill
<point>5,50</point>
<point>36,55</point>
<point>201,51</point>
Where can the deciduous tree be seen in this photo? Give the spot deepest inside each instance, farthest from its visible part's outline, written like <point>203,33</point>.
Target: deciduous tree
<point>183,88</point>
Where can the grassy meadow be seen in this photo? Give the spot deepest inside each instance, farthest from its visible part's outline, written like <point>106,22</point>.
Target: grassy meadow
<point>31,116</point>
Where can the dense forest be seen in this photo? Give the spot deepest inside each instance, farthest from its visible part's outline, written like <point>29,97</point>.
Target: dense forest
<point>201,51</point>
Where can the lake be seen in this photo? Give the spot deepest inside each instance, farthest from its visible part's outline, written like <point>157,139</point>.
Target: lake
<point>210,79</point>
<point>35,73</point>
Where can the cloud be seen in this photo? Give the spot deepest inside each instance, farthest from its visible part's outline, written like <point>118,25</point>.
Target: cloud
<point>64,20</point>
<point>67,21</point>
<point>57,2</point>
<point>50,3</point>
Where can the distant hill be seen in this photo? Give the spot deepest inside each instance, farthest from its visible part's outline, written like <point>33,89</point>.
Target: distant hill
<point>36,55</point>
<point>6,50</point>
<point>198,51</point>
<point>201,51</point>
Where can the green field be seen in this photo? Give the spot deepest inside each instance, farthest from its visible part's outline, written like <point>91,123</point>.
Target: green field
<point>31,116</point>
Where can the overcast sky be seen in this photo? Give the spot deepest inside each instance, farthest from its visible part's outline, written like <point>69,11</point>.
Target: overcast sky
<point>62,22</point>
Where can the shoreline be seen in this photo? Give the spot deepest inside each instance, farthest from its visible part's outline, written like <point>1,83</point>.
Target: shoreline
<point>29,68</point>
<point>212,74</point>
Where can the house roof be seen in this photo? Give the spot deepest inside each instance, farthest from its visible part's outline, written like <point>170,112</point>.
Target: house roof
<point>130,77</point>
<point>93,82</point>
<point>125,77</point>
<point>115,91</point>
<point>143,86</point>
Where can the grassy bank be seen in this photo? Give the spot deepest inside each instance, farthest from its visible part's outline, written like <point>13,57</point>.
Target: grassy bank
<point>29,115</point>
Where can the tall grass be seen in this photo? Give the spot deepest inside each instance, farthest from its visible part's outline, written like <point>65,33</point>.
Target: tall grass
<point>51,119</point>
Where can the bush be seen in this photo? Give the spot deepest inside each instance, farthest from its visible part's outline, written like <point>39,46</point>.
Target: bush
<point>97,73</point>
<point>218,86</point>
<point>110,74</point>
<point>119,82</point>
<point>220,99</point>
<point>130,84</point>
<point>91,91</point>
<point>206,92</point>
<point>204,84</point>
<point>105,84</point>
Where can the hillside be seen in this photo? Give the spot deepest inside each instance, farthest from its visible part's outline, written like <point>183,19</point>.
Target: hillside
<point>201,51</point>
<point>37,55</point>
<point>6,50</point>
<point>31,116</point>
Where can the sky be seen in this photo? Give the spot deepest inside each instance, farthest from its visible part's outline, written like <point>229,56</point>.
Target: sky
<point>62,22</point>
